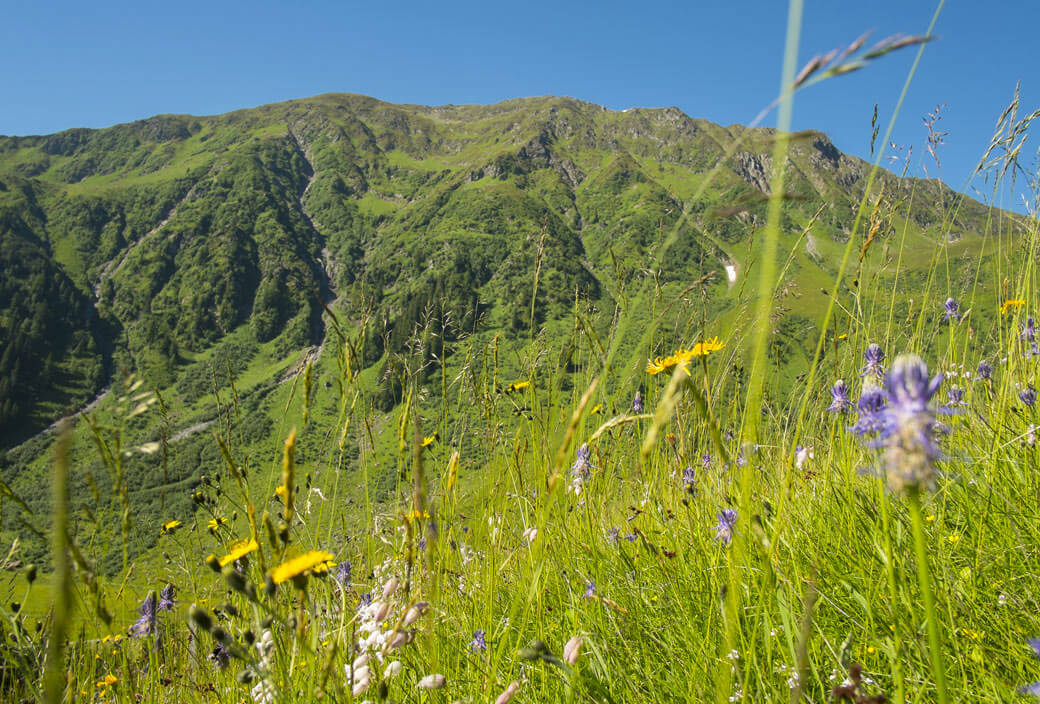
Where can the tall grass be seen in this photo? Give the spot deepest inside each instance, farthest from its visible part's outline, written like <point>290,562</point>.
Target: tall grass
<point>547,541</point>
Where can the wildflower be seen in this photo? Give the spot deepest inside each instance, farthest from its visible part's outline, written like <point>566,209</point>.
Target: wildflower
<point>613,534</point>
<point>296,566</point>
<point>724,528</point>
<point>432,682</point>
<point>166,601</point>
<point>343,573</point>
<point>530,534</point>
<point>590,589</point>
<point>1027,396</point>
<point>220,657</point>
<point>146,622</point>
<point>702,349</point>
<point>572,650</point>
<point>955,397</point>
<point>952,307</point>
<point>414,613</point>
<point>393,670</point>
<point>984,371</point>
<point>580,469</point>
<point>430,439</point>
<point>802,455</point>
<point>215,523</point>
<point>688,477</point>
<point>870,406</point>
<point>908,424</point>
<point>840,397</point>
<point>517,386</point>
<point>1028,330</point>
<point>238,551</point>
<point>1010,303</point>
<point>169,527</point>
<point>478,644</point>
<point>108,681</point>
<point>706,460</point>
<point>637,402</point>
<point>874,357</point>
<point>597,409</point>
<point>1034,688</point>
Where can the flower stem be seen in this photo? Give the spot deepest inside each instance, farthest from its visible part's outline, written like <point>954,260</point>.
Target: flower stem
<point>925,581</point>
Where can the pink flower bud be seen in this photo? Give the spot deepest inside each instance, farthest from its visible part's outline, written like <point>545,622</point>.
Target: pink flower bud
<point>572,650</point>
<point>432,682</point>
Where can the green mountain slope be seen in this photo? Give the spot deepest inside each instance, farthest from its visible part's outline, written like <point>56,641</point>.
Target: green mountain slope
<point>199,252</point>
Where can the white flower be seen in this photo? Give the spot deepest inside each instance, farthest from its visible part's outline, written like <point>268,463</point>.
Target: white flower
<point>393,669</point>
<point>432,682</point>
<point>572,650</point>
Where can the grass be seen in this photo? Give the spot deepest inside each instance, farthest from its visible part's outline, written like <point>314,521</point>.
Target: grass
<point>504,559</point>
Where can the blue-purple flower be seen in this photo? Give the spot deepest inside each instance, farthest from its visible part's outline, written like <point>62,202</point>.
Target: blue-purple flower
<point>909,426</point>
<point>871,403</point>
<point>688,477</point>
<point>1028,330</point>
<point>590,589</point>
<point>343,573</point>
<point>724,528</point>
<point>1034,688</point>
<point>952,307</point>
<point>478,644</point>
<point>840,397</point>
<point>984,371</point>
<point>637,402</point>
<point>955,397</point>
<point>706,460</point>
<point>166,600</point>
<point>874,357</point>
<point>146,621</point>
<point>1027,396</point>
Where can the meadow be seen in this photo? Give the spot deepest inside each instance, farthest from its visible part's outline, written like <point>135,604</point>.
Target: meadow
<point>659,514</point>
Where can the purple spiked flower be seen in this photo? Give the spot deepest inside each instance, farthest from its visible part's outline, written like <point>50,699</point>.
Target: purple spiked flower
<point>724,528</point>
<point>146,622</point>
<point>955,397</point>
<point>166,601</point>
<point>1028,330</point>
<point>909,425</point>
<point>985,370</point>
<point>1034,688</point>
<point>688,477</point>
<point>637,402</point>
<point>1027,396</point>
<point>479,643</point>
<point>870,406</point>
<point>613,535</point>
<point>581,464</point>
<point>874,357</point>
<point>590,589</point>
<point>840,396</point>
<point>952,308</point>
<point>706,460</point>
<point>343,573</point>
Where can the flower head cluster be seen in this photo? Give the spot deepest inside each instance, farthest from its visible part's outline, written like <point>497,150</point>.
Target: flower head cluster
<point>874,357</point>
<point>984,371</point>
<point>580,470</point>
<point>908,425</point>
<point>871,403</point>
<point>637,402</point>
<point>840,397</point>
<point>683,357</point>
<point>724,528</point>
<point>952,309</point>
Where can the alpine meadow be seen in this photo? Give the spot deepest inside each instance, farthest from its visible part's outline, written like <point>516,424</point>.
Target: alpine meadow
<point>337,400</point>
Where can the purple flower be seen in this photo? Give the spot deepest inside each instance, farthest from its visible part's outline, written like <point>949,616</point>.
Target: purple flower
<point>613,535</point>
<point>706,460</point>
<point>724,528</point>
<point>581,465</point>
<point>343,573</point>
<point>985,370</point>
<point>955,397</point>
<point>909,426</point>
<point>220,657</point>
<point>1027,396</point>
<point>478,644</point>
<point>870,406</point>
<point>952,307</point>
<point>366,599</point>
<point>590,589</point>
<point>688,476</point>
<point>840,396</point>
<point>874,357</point>
<point>1028,330</point>
<point>1034,688</point>
<point>637,402</point>
<point>166,601</point>
<point>631,537</point>
<point>146,622</point>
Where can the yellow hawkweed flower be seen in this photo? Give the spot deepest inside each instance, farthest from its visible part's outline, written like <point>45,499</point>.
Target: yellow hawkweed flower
<point>169,527</point>
<point>683,357</point>
<point>430,439</point>
<point>108,681</point>
<point>517,386</point>
<point>323,567</point>
<point>238,551</point>
<point>707,347</point>
<point>1011,302</point>
<point>281,491</point>
<point>215,523</point>
<point>298,565</point>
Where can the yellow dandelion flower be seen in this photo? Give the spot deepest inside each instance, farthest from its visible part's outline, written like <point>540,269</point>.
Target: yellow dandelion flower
<point>707,347</point>
<point>324,567</point>
<point>281,491</point>
<point>238,551</point>
<point>108,681</point>
<point>517,386</point>
<point>298,565</point>
<point>1015,303</point>
<point>169,527</point>
<point>657,366</point>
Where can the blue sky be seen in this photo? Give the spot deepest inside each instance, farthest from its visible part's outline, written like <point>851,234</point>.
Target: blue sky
<point>101,63</point>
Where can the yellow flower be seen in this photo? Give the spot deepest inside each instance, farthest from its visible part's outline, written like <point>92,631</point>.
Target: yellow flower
<point>416,515</point>
<point>954,538</point>
<point>430,439</point>
<point>707,347</point>
<point>324,567</point>
<point>298,565</point>
<point>281,491</point>
<point>238,551</point>
<point>215,523</point>
<point>871,649</point>
<point>108,681</point>
<point>970,634</point>
<point>1011,302</point>
<point>596,409</point>
<point>517,386</point>
<point>930,518</point>
<point>169,527</point>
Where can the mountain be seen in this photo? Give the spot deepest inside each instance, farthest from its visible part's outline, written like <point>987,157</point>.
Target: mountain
<point>143,245</point>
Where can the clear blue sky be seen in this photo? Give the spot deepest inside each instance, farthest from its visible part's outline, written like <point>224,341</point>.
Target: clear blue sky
<point>101,63</point>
